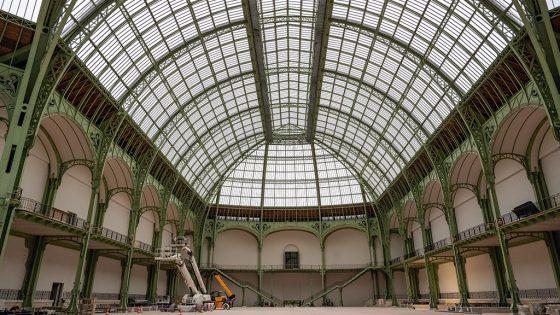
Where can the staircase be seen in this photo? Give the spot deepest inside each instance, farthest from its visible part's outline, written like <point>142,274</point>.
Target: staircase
<point>342,284</point>
<point>267,296</point>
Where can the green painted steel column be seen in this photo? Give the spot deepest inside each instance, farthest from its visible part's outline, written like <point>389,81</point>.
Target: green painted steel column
<point>409,294</point>
<point>153,276</point>
<point>341,298</point>
<point>243,298</point>
<point>36,248</point>
<point>457,258</point>
<point>50,192</point>
<point>499,275</point>
<point>553,245</point>
<point>432,283</point>
<point>125,279</point>
<point>504,250</point>
<point>100,215</point>
<point>536,178</point>
<point>391,288</point>
<point>171,285</point>
<point>486,208</point>
<point>34,90</point>
<point>323,272</point>
<point>259,279</point>
<point>127,269</point>
<point>91,264</point>
<point>415,285</point>
<point>79,276</point>
<point>376,292</point>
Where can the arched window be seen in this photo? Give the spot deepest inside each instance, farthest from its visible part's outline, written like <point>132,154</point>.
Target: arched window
<point>291,257</point>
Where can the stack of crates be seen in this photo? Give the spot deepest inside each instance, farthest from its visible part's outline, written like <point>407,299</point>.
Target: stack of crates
<point>87,307</point>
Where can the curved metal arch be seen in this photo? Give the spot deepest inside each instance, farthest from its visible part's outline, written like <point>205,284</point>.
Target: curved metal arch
<point>164,129</point>
<point>70,120</point>
<point>242,228</point>
<point>445,32</point>
<point>402,47</point>
<point>508,118</point>
<point>499,13</point>
<point>347,226</point>
<point>73,32</point>
<point>208,131</point>
<point>186,152</point>
<point>112,192</point>
<point>65,166</point>
<point>120,161</point>
<point>368,160</point>
<point>387,144</point>
<point>379,93</point>
<point>184,108</point>
<point>460,158</point>
<point>342,160</point>
<point>235,162</point>
<point>149,74</point>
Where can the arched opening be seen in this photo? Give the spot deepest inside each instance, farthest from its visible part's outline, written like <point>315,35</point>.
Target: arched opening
<point>346,248</point>
<point>117,215</point>
<point>466,181</point>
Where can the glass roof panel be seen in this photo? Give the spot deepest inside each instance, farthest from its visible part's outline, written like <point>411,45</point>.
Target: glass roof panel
<point>394,71</point>
<point>28,9</point>
<point>290,179</point>
<point>288,28</point>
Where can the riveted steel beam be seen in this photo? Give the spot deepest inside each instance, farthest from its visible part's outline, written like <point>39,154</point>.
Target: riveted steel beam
<point>321,38</point>
<point>256,47</point>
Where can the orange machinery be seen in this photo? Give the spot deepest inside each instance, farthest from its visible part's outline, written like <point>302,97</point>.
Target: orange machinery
<point>222,300</point>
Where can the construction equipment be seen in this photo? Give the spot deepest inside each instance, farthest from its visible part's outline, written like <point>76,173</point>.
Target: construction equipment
<point>179,253</point>
<point>222,300</point>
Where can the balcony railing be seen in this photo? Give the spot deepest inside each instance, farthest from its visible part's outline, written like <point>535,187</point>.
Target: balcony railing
<point>110,234</point>
<point>539,294</point>
<point>449,295</point>
<point>474,231</point>
<point>143,246</point>
<point>416,253</point>
<point>550,202</point>
<point>10,295</point>
<point>395,260</point>
<point>483,295</point>
<point>36,207</point>
<point>424,296</point>
<point>438,245</point>
<point>106,296</point>
<point>283,267</point>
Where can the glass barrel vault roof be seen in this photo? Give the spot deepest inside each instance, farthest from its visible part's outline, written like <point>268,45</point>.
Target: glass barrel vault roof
<point>393,71</point>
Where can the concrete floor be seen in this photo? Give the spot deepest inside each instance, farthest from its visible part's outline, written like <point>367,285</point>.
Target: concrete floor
<point>316,311</point>
<point>311,311</point>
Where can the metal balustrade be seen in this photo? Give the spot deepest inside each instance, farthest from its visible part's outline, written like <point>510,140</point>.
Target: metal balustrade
<point>483,295</point>
<point>110,234</point>
<point>449,295</point>
<point>282,267</point>
<point>143,246</point>
<point>550,202</point>
<point>43,210</point>
<point>474,231</point>
<point>416,253</point>
<point>424,297</point>
<point>438,245</point>
<point>137,297</point>
<point>106,296</point>
<point>15,196</point>
<point>539,294</point>
<point>10,295</point>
